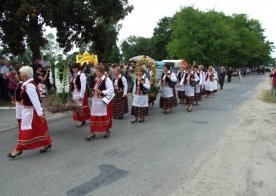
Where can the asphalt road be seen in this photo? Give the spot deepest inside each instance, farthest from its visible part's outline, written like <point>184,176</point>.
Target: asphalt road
<point>150,158</point>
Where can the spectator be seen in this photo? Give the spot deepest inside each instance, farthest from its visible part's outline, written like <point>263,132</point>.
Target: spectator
<point>229,74</point>
<point>221,77</point>
<point>5,70</point>
<point>2,64</point>
<point>12,83</point>
<point>273,76</point>
<point>40,79</point>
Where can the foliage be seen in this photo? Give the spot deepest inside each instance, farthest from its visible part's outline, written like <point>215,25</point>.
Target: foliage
<point>214,38</point>
<point>160,39</point>
<point>22,24</point>
<point>134,46</point>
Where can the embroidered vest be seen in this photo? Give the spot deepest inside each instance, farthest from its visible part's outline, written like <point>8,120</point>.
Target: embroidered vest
<point>77,83</point>
<point>120,84</point>
<point>25,97</point>
<point>18,92</point>
<point>180,76</point>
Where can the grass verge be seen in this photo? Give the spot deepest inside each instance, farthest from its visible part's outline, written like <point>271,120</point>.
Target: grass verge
<point>4,103</point>
<point>266,97</point>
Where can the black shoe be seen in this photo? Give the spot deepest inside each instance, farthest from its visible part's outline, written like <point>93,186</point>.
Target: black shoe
<point>82,124</point>
<point>120,117</point>
<point>46,148</point>
<point>107,134</point>
<point>141,120</point>
<point>13,156</point>
<point>93,137</point>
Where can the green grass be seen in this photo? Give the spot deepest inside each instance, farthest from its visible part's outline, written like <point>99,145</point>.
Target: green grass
<point>4,103</point>
<point>266,97</point>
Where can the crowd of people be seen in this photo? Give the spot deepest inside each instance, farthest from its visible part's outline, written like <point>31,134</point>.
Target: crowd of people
<point>110,86</point>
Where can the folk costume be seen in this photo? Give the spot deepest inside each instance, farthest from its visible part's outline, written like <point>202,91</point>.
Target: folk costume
<point>168,94</point>
<point>120,102</point>
<point>101,114</point>
<point>33,131</point>
<point>209,83</point>
<point>198,88</point>
<point>215,82</point>
<point>140,105</point>
<point>80,96</point>
<point>180,87</point>
<point>189,89</point>
<point>18,105</point>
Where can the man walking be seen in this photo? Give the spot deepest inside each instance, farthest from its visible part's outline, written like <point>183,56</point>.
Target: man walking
<point>221,77</point>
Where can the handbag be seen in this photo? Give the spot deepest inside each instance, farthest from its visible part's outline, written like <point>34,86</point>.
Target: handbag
<point>108,98</point>
<point>194,83</point>
<point>145,90</point>
<point>172,84</point>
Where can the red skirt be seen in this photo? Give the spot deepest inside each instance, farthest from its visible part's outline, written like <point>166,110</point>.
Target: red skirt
<point>181,95</point>
<point>101,123</point>
<point>119,104</point>
<point>36,137</point>
<point>189,100</point>
<point>84,113</point>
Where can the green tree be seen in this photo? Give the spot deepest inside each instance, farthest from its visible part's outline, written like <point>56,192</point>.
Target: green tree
<point>160,39</point>
<point>134,46</point>
<point>22,22</point>
<point>214,38</point>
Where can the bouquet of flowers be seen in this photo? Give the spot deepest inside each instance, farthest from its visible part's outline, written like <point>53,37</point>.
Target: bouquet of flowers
<point>59,100</point>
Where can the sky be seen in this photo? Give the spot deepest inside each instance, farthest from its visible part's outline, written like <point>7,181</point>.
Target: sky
<point>143,19</point>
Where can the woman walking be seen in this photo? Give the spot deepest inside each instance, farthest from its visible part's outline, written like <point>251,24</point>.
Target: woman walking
<point>101,113</point>
<point>189,81</point>
<point>119,102</point>
<point>209,81</point>
<point>180,84</point>
<point>140,105</point>
<point>80,95</point>
<point>33,130</point>
<point>168,81</point>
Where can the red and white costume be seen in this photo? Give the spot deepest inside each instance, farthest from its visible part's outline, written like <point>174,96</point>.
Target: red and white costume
<point>80,96</point>
<point>33,131</point>
<point>101,114</point>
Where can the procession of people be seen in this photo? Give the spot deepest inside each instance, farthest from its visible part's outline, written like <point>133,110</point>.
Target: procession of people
<point>109,98</point>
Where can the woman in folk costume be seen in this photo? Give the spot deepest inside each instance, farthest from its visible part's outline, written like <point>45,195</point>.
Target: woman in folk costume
<point>209,81</point>
<point>190,77</point>
<point>167,99</point>
<point>101,113</point>
<point>215,81</point>
<point>202,83</point>
<point>120,101</point>
<point>198,86</point>
<point>33,130</point>
<point>180,84</point>
<point>80,95</point>
<point>140,105</point>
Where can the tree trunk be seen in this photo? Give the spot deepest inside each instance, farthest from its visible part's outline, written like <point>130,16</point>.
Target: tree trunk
<point>35,37</point>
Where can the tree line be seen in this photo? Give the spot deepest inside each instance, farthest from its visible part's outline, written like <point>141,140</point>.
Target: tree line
<point>207,37</point>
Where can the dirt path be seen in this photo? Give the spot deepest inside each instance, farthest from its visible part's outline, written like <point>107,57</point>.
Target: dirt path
<point>244,161</point>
